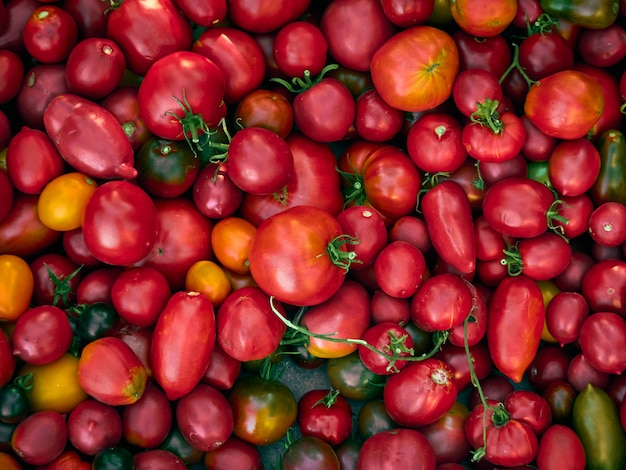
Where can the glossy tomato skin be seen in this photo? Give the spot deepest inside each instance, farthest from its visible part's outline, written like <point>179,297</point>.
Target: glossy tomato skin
<point>597,333</point>
<point>491,53</point>
<point>481,21</point>
<point>93,426</point>
<point>158,459</point>
<point>566,163</point>
<point>12,67</point>
<point>324,415</point>
<point>544,256</point>
<point>603,286</point>
<point>184,338</point>
<point>399,269</point>
<point>49,34</point>
<point>484,145</point>
<point>147,422</point>
<point>223,369</point>
<point>232,453</point>
<point>529,407</point>
<point>41,84</point>
<point>17,14</point>
<point>542,54</point>
<point>205,13</point>
<point>397,448</point>
<point>557,441</point>
<point>89,16</point>
<point>123,104</point>
<point>607,224</point>
<point>262,16</point>
<point>214,194</point>
<point>440,131</point>
<point>40,438</point>
<point>309,452</point>
<point>265,108</point>
<point>447,435</point>
<point>390,338</point>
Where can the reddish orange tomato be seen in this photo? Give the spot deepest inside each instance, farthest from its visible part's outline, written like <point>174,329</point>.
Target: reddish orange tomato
<point>16,288</point>
<point>231,239</point>
<point>483,19</point>
<point>8,462</point>
<point>414,70</point>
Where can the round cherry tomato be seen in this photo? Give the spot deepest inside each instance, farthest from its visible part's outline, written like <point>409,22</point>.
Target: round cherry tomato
<point>326,415</point>
<point>147,422</point>
<point>598,332</point>
<point>403,447</point>
<point>40,438</point>
<point>93,426</point>
<point>11,67</point>
<point>390,339</point>
<point>50,34</point>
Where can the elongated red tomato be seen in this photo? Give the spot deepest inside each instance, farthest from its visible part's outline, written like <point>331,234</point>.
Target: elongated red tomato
<point>182,343</point>
<point>516,318</point>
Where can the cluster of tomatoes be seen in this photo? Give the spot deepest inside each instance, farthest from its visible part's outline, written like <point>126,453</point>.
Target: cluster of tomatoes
<point>297,234</point>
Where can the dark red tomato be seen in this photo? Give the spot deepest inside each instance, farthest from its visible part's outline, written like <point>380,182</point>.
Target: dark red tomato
<point>549,365</point>
<point>375,120</point>
<point>265,108</point>
<point>542,54</point>
<point>40,438</point>
<point>528,11</point>
<point>11,67</point>
<point>120,223</point>
<point>124,105</point>
<point>494,387</point>
<point>434,143</point>
<point>564,316</point>
<point>32,160</point>
<point>41,335</point>
<point>181,96</point>
<point>372,418</point>
<point>214,194</point>
<point>94,68</point>
<point>68,459</point>
<point>205,13</point>
<point>599,333</point>
<point>448,216</point>
<point>90,17</point>
<point>50,34</point>
<point>138,28</point>
<point>399,269</point>
<point>147,422</point>
<point>93,426</point>
<point>474,86</point>
<point>300,46</point>
<point>41,84</point>
<point>96,286</point>
<point>542,257</point>
<point>204,417</point>
<point>262,16</point>
<point>434,378</point>
<point>491,172</point>
<point>516,305</point>
<point>604,47</point>
<point>75,249</point>
<point>558,441</point>
<point>355,29</point>
<point>604,286</point>
<point>17,13</point>
<point>139,295</point>
<point>223,369</point>
<point>326,415</point>
<point>412,229</point>
<point>576,210</point>
<point>607,224</point>
<point>397,448</point>
<point>489,242</point>
<point>7,194</point>
<point>456,358</point>
<point>392,340</point>
<point>158,459</point>
<point>232,453</point>
<point>238,56</point>
<point>310,453</point>
<point>183,237</point>
<point>508,442</point>
<point>21,231</point>
<point>574,166</point>
<point>183,341</point>
<point>529,407</point>
<point>247,328</point>
<point>447,435</point>
<point>408,13</point>
<point>560,396</point>
<point>358,220</point>
<point>492,54</point>
<point>538,145</point>
<point>581,373</point>
<point>56,280</point>
<point>477,322</point>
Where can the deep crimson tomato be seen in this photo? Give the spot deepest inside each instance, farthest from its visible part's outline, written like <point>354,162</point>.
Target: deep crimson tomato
<point>484,21</point>
<point>310,452</point>
<point>17,13</point>
<point>390,339</point>
<point>607,224</point>
<point>397,447</point>
<point>528,11</point>
<point>557,441</point>
<point>456,358</point>
<point>11,67</point>
<point>124,105</point>
<point>41,84</point>
<point>573,166</point>
<point>214,193</point>
<point>93,426</point>
<point>581,373</point>
<point>223,369</point>
<point>408,13</point>
<point>300,46</point>
<point>598,333</point>
<point>576,210</point>
<point>602,47</point>
<point>494,387</point>
<point>540,258</point>
<point>549,365</point>
<point>545,53</point>
<point>492,53</point>
<point>232,453</point>
<point>357,220</point>
<point>40,438</point>
<point>265,108</point>
<point>89,16</point>
<point>447,435</point>
<point>491,136</point>
<point>442,302</point>
<point>49,34</point>
<point>538,145</point>
<point>96,286</point>
<point>604,286</point>
<point>477,323</point>
<point>147,422</point>
<point>412,229</point>
<point>564,316</point>
<point>205,13</point>
<point>414,70</point>
<point>474,86</point>
<point>262,16</point>
<point>158,459</point>
<point>326,415</point>
<point>375,120</point>
<point>529,407</point>
<point>140,341</point>
<point>399,269</point>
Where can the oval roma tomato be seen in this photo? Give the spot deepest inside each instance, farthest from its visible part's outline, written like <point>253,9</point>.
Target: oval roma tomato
<point>557,441</point>
<point>93,426</point>
<point>414,70</point>
<point>147,422</point>
<point>40,438</point>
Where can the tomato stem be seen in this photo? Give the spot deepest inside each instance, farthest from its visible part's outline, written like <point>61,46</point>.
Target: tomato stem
<point>298,85</point>
<point>479,182</point>
<point>553,216</point>
<point>515,65</point>
<point>512,261</point>
<point>343,259</point>
<point>486,114</point>
<point>62,288</point>
<point>542,25</point>
<point>191,123</point>
<point>329,400</point>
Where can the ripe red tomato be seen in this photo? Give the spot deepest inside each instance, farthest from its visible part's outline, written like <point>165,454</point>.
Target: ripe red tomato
<point>542,54</point>
<point>447,435</point>
<point>402,447</point>
<point>11,67</point>
<point>40,438</point>
<point>123,104</point>
<point>300,46</point>
<point>49,34</point>
<point>93,426</point>
<point>262,16</point>
<point>41,84</point>
<point>607,224</point>
<point>391,339</point>
<point>564,316</point>
<point>399,269</point>
<point>604,286</point>
<point>557,441</point>
<point>326,415</point>
<point>598,333</point>
<point>147,422</point>
<point>442,302</point>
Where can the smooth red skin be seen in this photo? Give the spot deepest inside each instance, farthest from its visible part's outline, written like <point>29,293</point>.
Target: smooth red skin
<point>96,285</point>
<point>147,422</point>
<point>32,160</point>
<point>603,47</point>
<point>205,13</point>
<point>214,193</point>
<point>69,459</point>
<point>378,335</point>
<point>604,286</point>
<point>516,318</point>
<point>580,373</point>
<point>489,242</point>
<point>558,441</point>
<point>94,68</point>
<point>325,111</point>
<point>61,266</point>
<point>492,54</point>
<point>264,16</point>
<point>474,86</point>
<point>7,364</point>
<point>12,68</point>
<point>544,256</point>
<point>448,216</point>
<point>374,119</point>
<point>90,17</point>
<point>332,424</point>
<point>456,358</point>
<point>386,308</point>
<point>238,56</point>
<point>138,28</point>
<point>512,444</point>
<point>266,108</point>
<point>259,161</point>
<point>355,29</point>
<point>140,294</point>
<point>21,231</point>
<point>120,223</point>
<point>182,343</point>
<point>607,224</point>
<point>517,207</point>
<point>42,334</point>
<point>574,166</point>
<point>300,46</point>
<point>41,84</point>
<point>369,228</point>
<point>202,82</point>
<point>7,194</point>
<point>549,365</point>
<point>495,387</point>
<point>40,438</point>
<point>482,144</point>
<point>432,152</point>
<point>93,426</point>
<point>223,369</point>
<point>529,407</point>
<point>124,105</point>
<point>527,11</point>
<point>577,210</point>
<point>544,54</point>
<point>598,333</point>
<point>407,13</point>
<point>477,328</point>
<point>234,452</point>
<point>17,13</point>
<point>538,145</point>
<point>50,40</point>
<point>398,448</point>
<point>409,409</point>
<point>442,302</point>
<point>74,123</point>
<point>412,229</point>
<point>5,130</point>
<point>183,237</point>
<point>400,268</point>
<point>158,459</point>
<point>204,417</point>
<point>491,172</point>
<point>447,436</point>
<point>247,328</point>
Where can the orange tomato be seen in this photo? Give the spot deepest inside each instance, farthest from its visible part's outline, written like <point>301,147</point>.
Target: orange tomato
<point>16,288</point>
<point>231,239</point>
<point>483,19</point>
<point>208,278</point>
<point>62,202</point>
<point>8,462</point>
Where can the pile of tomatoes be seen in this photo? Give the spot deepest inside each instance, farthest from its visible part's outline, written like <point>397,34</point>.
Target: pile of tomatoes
<point>306,234</point>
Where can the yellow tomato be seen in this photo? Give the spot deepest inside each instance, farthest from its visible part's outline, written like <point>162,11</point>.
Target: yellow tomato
<point>55,385</point>
<point>62,202</point>
<point>16,287</point>
<point>548,291</point>
<point>8,462</point>
<point>231,238</point>
<point>209,279</point>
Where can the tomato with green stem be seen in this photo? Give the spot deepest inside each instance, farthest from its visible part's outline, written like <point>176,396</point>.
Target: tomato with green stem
<point>14,402</point>
<point>325,414</point>
<point>402,447</point>
<point>390,337</point>
<point>56,279</point>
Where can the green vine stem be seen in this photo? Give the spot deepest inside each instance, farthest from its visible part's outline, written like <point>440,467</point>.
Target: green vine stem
<point>62,288</point>
<point>553,216</point>
<point>329,400</point>
<point>513,260</point>
<point>25,382</point>
<point>341,258</point>
<point>487,115</point>
<point>542,25</point>
<point>298,85</point>
<point>192,124</point>
<point>515,65</point>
